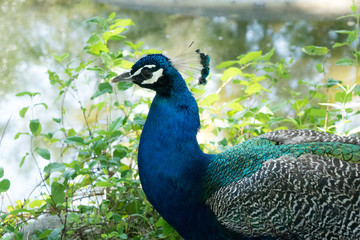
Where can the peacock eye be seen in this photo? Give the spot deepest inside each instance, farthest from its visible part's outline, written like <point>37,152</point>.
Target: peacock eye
<point>146,73</point>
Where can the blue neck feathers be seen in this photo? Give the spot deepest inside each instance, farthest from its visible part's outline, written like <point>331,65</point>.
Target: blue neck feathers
<point>171,163</point>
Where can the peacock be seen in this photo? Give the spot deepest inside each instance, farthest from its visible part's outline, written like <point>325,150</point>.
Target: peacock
<point>286,184</point>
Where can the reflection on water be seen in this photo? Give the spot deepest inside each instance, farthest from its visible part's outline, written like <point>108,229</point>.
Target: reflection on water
<point>33,30</point>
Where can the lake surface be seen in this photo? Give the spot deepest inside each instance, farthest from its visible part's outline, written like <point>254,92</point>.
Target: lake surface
<point>31,31</point>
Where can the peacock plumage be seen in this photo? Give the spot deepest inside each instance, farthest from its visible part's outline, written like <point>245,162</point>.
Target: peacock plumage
<point>289,184</point>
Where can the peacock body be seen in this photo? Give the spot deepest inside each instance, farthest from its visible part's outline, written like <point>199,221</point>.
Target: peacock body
<point>290,184</point>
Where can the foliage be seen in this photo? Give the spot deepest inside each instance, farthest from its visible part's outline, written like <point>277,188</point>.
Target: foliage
<point>91,180</point>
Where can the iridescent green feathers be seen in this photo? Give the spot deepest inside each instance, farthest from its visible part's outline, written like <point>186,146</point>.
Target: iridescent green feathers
<point>246,158</point>
<point>292,184</point>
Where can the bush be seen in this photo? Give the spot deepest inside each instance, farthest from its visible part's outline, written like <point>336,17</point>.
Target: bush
<point>91,180</point>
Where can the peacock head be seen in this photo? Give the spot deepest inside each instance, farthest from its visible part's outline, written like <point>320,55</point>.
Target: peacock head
<point>160,73</point>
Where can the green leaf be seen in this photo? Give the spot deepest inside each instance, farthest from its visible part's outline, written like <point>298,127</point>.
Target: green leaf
<point>35,126</point>
<point>121,23</point>
<point>55,234</point>
<point>139,120</point>
<point>268,55</point>
<point>230,72</point>
<point>97,48</point>
<point>251,56</point>
<point>319,68</point>
<point>61,58</point>
<point>209,100</point>
<point>340,44</point>
<point>317,112</point>
<point>57,120</point>
<point>36,203</point>
<point>315,50</point>
<point>23,159</point>
<point>4,185</point>
<point>353,8</point>
<point>134,46</point>
<point>116,124</point>
<point>44,234</point>
<point>42,104</point>
<point>74,140</point>
<point>30,94</point>
<point>345,62</point>
<point>23,111</point>
<point>99,20</point>
<point>1,172</point>
<point>103,184</point>
<point>124,85</point>
<point>58,192</point>
<point>21,210</point>
<point>150,51</point>
<point>331,82</point>
<point>123,236</point>
<point>346,16</point>
<point>226,64</point>
<point>236,106</point>
<point>102,89</point>
<point>253,88</point>
<point>44,153</point>
<point>112,15</point>
<point>54,167</point>
<point>107,35</point>
<point>168,230</point>
<point>17,135</point>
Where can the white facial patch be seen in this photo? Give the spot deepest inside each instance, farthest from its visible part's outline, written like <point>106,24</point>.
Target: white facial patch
<point>156,75</point>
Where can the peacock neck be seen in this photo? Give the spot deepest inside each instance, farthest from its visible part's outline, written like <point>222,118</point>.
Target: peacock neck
<point>169,136</point>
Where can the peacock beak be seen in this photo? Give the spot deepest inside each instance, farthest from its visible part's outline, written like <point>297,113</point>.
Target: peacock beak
<point>123,77</point>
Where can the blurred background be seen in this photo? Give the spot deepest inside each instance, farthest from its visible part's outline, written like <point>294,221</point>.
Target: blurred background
<point>31,31</point>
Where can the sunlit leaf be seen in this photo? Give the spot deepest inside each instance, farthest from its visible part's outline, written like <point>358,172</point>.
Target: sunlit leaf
<point>36,203</point>
<point>103,184</point>
<point>345,62</point>
<point>253,88</point>
<point>226,64</point>
<point>209,100</point>
<point>121,23</point>
<point>114,32</point>
<point>319,68</point>
<point>340,44</point>
<point>101,21</point>
<point>30,94</point>
<point>268,55</point>
<point>23,111</point>
<point>251,56</point>
<point>61,58</point>
<point>230,72</point>
<point>236,106</point>
<point>315,50</point>
<point>112,15</point>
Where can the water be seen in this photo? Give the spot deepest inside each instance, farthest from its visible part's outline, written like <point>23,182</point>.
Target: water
<point>33,30</point>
